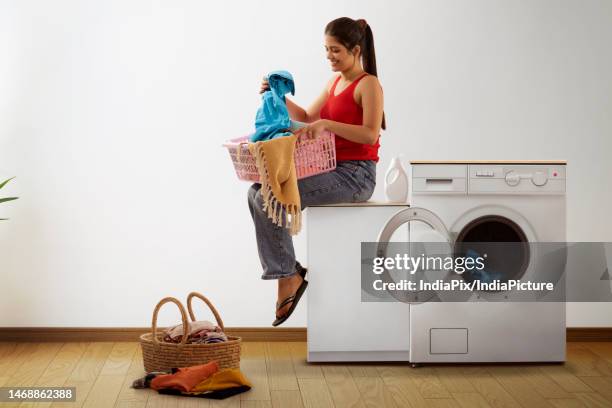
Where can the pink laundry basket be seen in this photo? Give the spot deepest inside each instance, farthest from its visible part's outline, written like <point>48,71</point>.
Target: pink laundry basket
<point>312,156</point>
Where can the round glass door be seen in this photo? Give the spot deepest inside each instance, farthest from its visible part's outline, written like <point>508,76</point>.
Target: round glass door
<point>409,238</point>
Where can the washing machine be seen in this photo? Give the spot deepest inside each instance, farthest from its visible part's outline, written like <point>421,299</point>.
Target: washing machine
<point>469,201</point>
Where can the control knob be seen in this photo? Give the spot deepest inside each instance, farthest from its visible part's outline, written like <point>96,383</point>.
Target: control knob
<point>539,178</point>
<point>513,178</point>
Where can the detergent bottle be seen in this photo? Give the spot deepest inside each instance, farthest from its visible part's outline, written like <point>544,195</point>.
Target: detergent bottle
<point>396,181</point>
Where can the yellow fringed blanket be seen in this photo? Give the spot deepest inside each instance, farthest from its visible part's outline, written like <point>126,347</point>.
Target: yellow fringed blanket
<point>278,178</point>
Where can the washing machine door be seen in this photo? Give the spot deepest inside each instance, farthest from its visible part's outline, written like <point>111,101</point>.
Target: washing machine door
<point>510,244</point>
<point>387,248</point>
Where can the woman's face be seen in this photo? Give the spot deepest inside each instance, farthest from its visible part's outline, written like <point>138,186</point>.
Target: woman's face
<point>338,55</point>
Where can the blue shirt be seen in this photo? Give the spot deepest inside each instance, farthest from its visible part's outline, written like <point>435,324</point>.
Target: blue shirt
<point>272,119</point>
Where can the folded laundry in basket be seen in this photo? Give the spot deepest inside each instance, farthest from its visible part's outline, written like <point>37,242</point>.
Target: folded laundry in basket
<point>272,119</point>
<point>205,337</point>
<point>201,331</point>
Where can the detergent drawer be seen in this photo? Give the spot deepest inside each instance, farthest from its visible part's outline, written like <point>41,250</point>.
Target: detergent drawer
<point>439,178</point>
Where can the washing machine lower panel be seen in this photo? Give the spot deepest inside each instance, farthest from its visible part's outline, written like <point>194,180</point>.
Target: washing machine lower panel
<point>487,332</point>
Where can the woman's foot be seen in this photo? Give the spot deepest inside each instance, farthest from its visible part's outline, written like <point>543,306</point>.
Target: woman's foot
<point>287,287</point>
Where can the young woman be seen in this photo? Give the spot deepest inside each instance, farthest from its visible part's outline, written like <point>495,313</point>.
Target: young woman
<point>351,107</point>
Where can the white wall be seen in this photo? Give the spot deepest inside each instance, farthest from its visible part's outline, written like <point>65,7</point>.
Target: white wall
<point>112,114</point>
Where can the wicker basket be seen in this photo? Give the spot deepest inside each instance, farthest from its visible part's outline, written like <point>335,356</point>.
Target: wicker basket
<point>159,355</point>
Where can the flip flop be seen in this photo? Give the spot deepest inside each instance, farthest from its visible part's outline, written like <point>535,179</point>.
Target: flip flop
<point>293,299</point>
<point>300,269</point>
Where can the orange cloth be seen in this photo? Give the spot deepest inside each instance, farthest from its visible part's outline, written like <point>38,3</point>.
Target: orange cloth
<point>185,378</point>
<point>222,380</point>
<point>278,177</point>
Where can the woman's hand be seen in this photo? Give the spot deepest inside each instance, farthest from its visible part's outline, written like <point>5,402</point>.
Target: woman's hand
<point>314,129</point>
<point>265,86</point>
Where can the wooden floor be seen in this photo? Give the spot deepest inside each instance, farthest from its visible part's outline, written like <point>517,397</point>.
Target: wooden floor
<point>103,372</point>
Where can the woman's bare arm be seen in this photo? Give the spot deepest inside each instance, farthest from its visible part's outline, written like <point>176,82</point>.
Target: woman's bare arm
<point>308,116</point>
<point>296,112</point>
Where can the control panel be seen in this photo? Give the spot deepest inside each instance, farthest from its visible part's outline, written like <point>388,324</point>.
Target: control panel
<point>488,178</point>
<point>529,178</point>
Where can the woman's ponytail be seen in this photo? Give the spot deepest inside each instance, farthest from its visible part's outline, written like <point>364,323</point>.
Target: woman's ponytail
<point>368,56</point>
<point>367,44</point>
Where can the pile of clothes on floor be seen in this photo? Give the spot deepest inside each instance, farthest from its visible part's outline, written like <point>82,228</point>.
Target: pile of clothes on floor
<point>204,381</point>
<point>199,332</point>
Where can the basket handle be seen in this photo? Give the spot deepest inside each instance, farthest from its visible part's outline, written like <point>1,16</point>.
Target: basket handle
<point>183,317</point>
<point>208,303</point>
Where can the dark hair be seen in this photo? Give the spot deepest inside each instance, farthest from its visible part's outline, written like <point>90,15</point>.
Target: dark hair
<point>351,33</point>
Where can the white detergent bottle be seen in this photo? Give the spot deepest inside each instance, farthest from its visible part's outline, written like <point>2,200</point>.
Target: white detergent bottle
<point>396,181</point>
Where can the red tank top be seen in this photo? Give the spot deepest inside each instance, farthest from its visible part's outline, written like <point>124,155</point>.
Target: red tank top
<point>343,108</point>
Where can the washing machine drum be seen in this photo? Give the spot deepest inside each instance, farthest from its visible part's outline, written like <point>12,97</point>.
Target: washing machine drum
<point>512,254</point>
<point>504,243</point>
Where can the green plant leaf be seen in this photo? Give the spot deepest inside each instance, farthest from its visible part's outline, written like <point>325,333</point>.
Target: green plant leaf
<point>2,200</point>
<point>6,181</point>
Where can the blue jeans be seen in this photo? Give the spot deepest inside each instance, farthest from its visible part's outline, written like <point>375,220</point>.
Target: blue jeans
<point>352,181</point>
